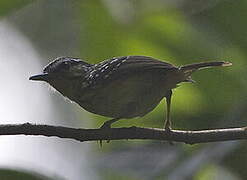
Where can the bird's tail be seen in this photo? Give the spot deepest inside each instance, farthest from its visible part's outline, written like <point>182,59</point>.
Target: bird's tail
<point>189,69</point>
<point>197,66</point>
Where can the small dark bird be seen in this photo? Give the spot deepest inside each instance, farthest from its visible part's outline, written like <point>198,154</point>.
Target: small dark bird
<point>121,87</point>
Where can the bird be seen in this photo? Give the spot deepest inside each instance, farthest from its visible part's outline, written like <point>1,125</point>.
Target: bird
<point>120,87</point>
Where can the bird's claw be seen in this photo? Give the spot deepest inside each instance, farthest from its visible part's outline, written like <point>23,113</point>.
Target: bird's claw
<point>106,125</point>
<point>168,128</point>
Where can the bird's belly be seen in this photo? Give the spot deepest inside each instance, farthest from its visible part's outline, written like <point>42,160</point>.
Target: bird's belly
<point>125,98</point>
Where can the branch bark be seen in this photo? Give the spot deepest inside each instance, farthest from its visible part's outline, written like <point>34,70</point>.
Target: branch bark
<point>189,137</point>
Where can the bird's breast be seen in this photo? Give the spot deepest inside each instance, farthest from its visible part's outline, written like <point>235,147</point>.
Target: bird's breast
<point>126,97</point>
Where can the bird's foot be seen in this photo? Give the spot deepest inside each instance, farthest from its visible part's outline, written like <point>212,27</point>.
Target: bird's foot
<point>168,128</point>
<point>106,125</point>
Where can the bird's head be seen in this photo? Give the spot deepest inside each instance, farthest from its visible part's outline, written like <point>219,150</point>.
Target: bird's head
<point>62,69</point>
<point>64,74</point>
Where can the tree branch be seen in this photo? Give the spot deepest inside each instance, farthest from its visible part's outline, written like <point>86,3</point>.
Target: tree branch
<point>190,137</point>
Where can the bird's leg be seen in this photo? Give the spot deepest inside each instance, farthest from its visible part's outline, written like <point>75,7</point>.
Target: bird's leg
<point>107,124</point>
<point>168,109</point>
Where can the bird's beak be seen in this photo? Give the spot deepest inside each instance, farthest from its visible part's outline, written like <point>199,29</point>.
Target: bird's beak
<point>39,77</point>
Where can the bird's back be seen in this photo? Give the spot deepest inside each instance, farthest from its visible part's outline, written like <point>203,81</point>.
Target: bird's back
<point>127,87</point>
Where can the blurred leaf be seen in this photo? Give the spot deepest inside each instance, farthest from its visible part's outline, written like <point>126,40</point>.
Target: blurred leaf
<point>7,6</point>
<point>215,172</point>
<point>11,174</point>
<point>236,160</point>
<point>99,33</point>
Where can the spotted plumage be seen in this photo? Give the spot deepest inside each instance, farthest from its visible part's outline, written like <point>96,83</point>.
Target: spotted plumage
<point>120,87</point>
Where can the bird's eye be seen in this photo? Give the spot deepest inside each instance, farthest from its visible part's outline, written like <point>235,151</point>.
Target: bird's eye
<point>65,65</point>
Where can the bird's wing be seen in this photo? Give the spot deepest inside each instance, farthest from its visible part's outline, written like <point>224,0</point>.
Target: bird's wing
<point>134,63</point>
<point>144,62</point>
<point>118,68</point>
